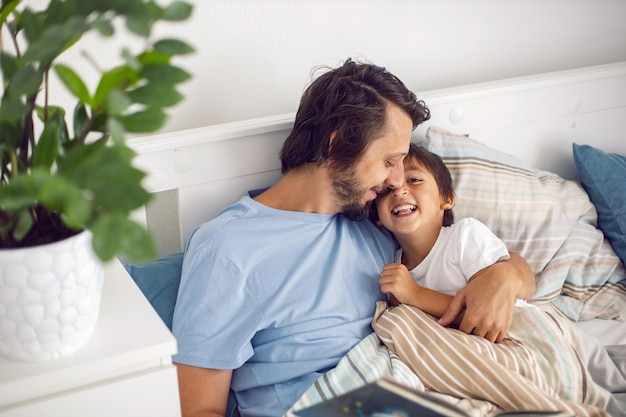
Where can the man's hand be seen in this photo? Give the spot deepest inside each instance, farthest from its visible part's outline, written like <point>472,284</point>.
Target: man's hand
<point>488,299</point>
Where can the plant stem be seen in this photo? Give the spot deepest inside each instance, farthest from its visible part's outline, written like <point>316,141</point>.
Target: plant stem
<point>46,95</point>
<point>14,169</point>
<point>28,135</point>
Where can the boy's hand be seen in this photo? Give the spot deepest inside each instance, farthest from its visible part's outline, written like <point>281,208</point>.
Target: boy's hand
<point>396,280</point>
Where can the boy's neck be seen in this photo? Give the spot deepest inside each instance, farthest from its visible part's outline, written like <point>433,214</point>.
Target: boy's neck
<point>415,248</point>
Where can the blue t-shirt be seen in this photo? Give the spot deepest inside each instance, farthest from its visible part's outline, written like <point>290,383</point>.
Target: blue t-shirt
<point>278,296</point>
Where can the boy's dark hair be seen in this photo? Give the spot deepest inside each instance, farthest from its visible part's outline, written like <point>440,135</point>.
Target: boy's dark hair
<point>351,102</point>
<point>433,163</point>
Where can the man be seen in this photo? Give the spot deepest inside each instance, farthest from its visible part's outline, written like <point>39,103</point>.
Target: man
<point>276,289</point>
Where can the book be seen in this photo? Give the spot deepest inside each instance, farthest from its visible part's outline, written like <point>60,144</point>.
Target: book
<point>389,398</point>
<point>384,397</point>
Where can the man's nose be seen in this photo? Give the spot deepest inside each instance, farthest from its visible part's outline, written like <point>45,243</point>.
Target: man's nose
<point>396,176</point>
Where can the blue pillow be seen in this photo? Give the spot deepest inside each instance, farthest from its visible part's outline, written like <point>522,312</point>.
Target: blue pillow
<point>603,175</point>
<point>159,280</point>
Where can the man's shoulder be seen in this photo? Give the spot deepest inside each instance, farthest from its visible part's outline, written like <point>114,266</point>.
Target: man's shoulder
<point>227,217</point>
<point>374,235</point>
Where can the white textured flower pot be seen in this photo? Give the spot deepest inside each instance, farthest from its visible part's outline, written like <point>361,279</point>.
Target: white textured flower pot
<point>49,298</point>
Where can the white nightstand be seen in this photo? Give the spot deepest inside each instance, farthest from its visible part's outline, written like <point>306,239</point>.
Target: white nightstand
<point>124,370</point>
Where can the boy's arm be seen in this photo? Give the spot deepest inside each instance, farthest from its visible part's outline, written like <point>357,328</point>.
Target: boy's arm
<point>487,301</point>
<point>430,301</point>
<point>395,279</point>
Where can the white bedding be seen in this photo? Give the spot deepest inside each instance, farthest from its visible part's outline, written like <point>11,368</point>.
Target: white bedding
<point>608,332</point>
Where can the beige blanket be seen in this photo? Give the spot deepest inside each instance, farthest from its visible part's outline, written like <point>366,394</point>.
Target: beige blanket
<point>535,367</point>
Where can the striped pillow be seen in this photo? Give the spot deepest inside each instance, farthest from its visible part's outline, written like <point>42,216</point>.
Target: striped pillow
<point>548,220</point>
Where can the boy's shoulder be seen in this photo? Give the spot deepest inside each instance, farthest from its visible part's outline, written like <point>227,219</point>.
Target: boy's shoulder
<point>470,222</point>
<point>468,226</point>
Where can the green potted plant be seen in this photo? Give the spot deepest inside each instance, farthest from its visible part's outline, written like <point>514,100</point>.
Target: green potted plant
<point>67,172</point>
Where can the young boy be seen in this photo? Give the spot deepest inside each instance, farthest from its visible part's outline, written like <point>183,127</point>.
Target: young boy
<point>433,262</point>
<point>438,257</point>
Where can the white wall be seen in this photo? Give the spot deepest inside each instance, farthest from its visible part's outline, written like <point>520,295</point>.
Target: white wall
<point>254,57</point>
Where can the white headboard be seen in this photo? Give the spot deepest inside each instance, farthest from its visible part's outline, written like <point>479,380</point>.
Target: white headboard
<point>196,172</point>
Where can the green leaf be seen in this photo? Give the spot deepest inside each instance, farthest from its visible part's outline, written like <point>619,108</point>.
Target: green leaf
<point>131,60</point>
<point>52,191</point>
<point>12,109</point>
<point>86,8</point>
<point>118,78</point>
<point>33,24</point>
<point>116,234</point>
<point>8,64</point>
<point>23,224</point>
<point>107,174</point>
<point>7,9</point>
<point>116,130</point>
<point>55,39</point>
<point>48,147</point>
<point>139,25</point>
<point>165,73</point>
<point>156,95</point>
<point>144,121</point>
<point>25,82</point>
<point>173,47</point>
<point>80,118</point>
<point>141,15</point>
<point>103,26</point>
<point>17,195</point>
<point>73,82</point>
<point>99,122</point>
<point>178,11</point>
<point>10,136</point>
<point>56,12</point>
<point>153,57</point>
<point>63,196</point>
<point>118,102</point>
<point>45,113</point>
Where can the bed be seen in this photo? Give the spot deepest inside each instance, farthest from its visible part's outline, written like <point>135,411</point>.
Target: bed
<point>540,159</point>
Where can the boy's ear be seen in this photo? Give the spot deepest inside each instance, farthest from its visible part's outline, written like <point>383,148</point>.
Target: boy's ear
<point>448,203</point>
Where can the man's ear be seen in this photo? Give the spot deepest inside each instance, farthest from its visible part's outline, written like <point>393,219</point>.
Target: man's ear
<point>448,203</point>
<point>333,135</point>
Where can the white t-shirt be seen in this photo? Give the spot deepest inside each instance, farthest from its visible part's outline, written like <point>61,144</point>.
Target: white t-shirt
<point>461,250</point>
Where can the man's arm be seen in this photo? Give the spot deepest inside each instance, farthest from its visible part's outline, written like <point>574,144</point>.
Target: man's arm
<point>487,301</point>
<point>203,392</point>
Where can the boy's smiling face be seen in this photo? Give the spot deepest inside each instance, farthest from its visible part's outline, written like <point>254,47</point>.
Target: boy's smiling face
<point>415,205</point>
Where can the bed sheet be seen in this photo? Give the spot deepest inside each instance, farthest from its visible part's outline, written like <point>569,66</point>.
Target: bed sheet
<point>608,332</point>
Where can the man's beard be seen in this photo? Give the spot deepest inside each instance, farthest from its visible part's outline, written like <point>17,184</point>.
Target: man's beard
<point>348,194</point>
